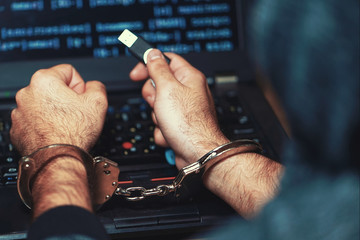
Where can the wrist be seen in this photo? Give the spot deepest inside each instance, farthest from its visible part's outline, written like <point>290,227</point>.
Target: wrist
<point>68,172</point>
<point>61,182</point>
<point>32,166</point>
<point>214,175</point>
<point>255,177</point>
<point>209,144</point>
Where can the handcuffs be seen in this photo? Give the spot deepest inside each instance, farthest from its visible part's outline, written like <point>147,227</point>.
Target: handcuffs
<point>103,173</point>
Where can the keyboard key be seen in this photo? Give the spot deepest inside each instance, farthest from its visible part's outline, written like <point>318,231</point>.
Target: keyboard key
<point>127,145</point>
<point>9,160</point>
<point>111,110</point>
<point>170,156</point>
<point>243,131</point>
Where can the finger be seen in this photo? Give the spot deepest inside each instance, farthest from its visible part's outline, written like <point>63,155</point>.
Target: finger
<point>14,116</point>
<point>180,162</point>
<point>190,76</point>
<point>159,69</point>
<point>153,117</point>
<point>139,72</point>
<point>70,77</point>
<point>14,130</point>
<point>180,70</point>
<point>180,67</point>
<point>185,73</point>
<point>177,61</point>
<point>148,93</point>
<point>95,86</point>
<point>159,138</point>
<point>97,91</point>
<point>19,96</point>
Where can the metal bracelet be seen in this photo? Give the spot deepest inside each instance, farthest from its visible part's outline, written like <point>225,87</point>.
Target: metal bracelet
<point>209,159</point>
<point>102,173</point>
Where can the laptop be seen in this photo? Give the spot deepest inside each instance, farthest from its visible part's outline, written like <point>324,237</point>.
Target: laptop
<point>209,34</point>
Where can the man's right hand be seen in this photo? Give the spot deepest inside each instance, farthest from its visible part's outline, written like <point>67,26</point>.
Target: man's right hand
<point>184,111</point>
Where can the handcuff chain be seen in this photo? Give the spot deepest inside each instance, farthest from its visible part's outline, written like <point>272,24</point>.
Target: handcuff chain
<point>139,193</point>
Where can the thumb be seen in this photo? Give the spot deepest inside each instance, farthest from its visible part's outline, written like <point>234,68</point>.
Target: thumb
<point>158,68</point>
<point>69,76</point>
<point>95,86</point>
<point>97,91</point>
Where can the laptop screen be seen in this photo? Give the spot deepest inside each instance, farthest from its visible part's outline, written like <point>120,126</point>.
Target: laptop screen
<point>40,34</point>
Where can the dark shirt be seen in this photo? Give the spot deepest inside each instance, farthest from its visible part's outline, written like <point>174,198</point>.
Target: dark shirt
<point>310,51</point>
<point>67,222</point>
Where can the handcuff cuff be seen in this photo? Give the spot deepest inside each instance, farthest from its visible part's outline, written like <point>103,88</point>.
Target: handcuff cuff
<point>103,173</point>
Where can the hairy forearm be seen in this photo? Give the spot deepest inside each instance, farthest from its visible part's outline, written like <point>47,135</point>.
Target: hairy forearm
<point>61,182</point>
<point>245,181</point>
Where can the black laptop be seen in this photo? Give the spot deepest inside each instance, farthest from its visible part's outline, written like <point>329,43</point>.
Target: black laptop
<point>209,34</point>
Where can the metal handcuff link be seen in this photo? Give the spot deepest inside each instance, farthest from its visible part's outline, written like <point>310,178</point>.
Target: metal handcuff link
<point>103,173</point>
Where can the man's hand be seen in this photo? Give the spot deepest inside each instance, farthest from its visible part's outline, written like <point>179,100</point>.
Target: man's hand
<point>183,107</point>
<point>58,107</point>
<point>185,117</point>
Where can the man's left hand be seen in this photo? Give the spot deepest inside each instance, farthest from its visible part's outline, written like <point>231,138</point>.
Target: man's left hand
<point>58,107</point>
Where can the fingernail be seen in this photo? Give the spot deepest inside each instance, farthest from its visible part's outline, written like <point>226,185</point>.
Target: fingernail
<point>154,54</point>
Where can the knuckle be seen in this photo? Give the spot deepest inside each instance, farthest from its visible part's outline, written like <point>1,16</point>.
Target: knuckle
<point>19,95</point>
<point>12,132</point>
<point>13,113</point>
<point>14,127</point>
<point>65,65</point>
<point>61,69</point>
<point>38,74</point>
<point>198,74</point>
<point>101,86</point>
<point>38,77</point>
<point>12,135</point>
<point>13,117</point>
<point>202,76</point>
<point>100,99</point>
<point>158,66</point>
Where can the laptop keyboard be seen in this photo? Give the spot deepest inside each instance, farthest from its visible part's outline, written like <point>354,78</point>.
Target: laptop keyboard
<point>127,136</point>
